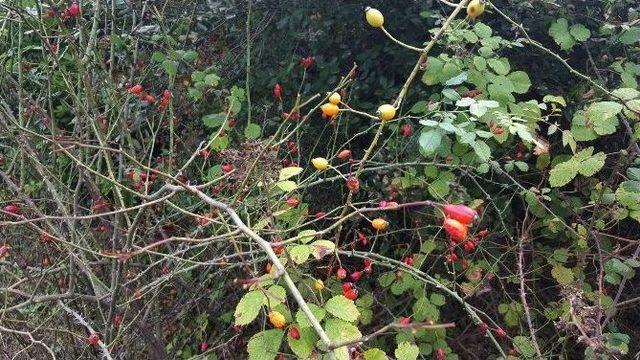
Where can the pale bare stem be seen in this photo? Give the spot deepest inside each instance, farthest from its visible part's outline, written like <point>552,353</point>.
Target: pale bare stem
<point>31,338</point>
<point>399,42</point>
<point>83,322</point>
<point>394,326</point>
<point>521,276</point>
<point>266,247</point>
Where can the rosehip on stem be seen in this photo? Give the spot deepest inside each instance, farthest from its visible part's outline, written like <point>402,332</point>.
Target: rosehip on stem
<point>462,213</point>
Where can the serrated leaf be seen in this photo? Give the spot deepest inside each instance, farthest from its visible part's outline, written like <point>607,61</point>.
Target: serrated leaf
<point>483,31</point>
<point>249,307</point>
<point>342,308</point>
<point>603,116</point>
<point>318,312</point>
<point>407,351</point>
<point>430,141</point>
<point>563,173</point>
<point>275,295</point>
<point>305,236</point>
<point>214,120</point>
<point>457,80</point>
<point>437,299</point>
<point>626,93</point>
<point>482,150</point>
<point>300,253</point>
<point>563,275</point>
<point>289,172</point>
<point>375,354</point>
<point>559,30</point>
<point>340,331</point>
<point>265,345</point>
<point>170,66</point>
<point>593,164</point>
<point>303,347</point>
<point>500,66</point>
<point>433,71</point>
<point>252,131</point>
<point>525,346</point>
<point>287,185</point>
<point>580,32</point>
<point>521,82</point>
<point>321,248</point>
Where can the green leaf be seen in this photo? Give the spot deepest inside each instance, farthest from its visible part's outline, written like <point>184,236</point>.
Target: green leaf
<point>249,307</point>
<point>300,253</point>
<point>559,30</point>
<point>500,66</point>
<point>580,32</point>
<point>628,194</point>
<point>214,120</point>
<point>305,236</point>
<point>343,308</point>
<point>482,150</point>
<point>340,331</point>
<point>170,66</point>
<point>480,63</point>
<point>321,248</point>
<point>525,346</point>
<point>483,31</point>
<point>626,93</point>
<point>563,275</point>
<point>563,173</point>
<point>433,71</point>
<point>375,354</point>
<point>603,116</point>
<point>407,351</point>
<point>287,185</point>
<point>430,141</point>
<point>318,312</point>
<point>437,299</point>
<point>520,81</point>
<point>211,80</point>
<point>592,165</point>
<point>303,347</point>
<point>289,172</point>
<point>275,295</point>
<point>630,36</point>
<point>252,131</point>
<point>424,310</point>
<point>265,345</point>
<point>457,80</point>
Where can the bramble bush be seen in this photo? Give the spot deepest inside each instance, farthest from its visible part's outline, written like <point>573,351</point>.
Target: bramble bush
<point>262,180</point>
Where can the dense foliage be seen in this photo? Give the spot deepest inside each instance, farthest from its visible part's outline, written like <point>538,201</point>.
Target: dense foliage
<point>303,179</point>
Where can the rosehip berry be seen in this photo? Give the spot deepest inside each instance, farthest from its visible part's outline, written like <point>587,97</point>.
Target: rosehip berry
<point>74,9</point>
<point>405,321</point>
<point>456,230</point>
<point>294,333</point>
<point>320,215</point>
<point>440,355</point>
<point>267,268</point>
<point>408,260</point>
<point>227,168</point>
<point>353,184</point>
<point>356,275</point>
<point>407,130</point>
<point>483,233</point>
<point>368,266</point>
<point>501,333</point>
<point>362,238</point>
<point>451,258</point>
<point>341,273</point>
<point>117,320</point>
<point>351,294</point>
<point>469,246</point>
<point>344,154</point>
<point>293,202</point>
<point>203,346</point>
<point>462,213</point>
<point>277,92</point>
<point>94,339</point>
<point>12,209</point>
<point>482,328</point>
<point>136,89</point>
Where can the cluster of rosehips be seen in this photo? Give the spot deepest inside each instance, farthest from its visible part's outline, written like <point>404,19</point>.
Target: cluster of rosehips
<point>349,290</point>
<point>141,180</point>
<point>139,91</point>
<point>70,12</point>
<point>13,209</point>
<point>458,219</point>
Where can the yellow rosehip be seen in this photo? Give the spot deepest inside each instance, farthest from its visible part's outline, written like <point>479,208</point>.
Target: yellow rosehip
<point>380,224</point>
<point>330,109</point>
<point>335,98</point>
<point>475,8</point>
<point>374,17</point>
<point>386,112</point>
<point>318,285</point>
<point>320,163</point>
<point>277,319</point>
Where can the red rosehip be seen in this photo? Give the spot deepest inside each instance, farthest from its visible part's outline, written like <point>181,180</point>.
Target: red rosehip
<point>462,213</point>
<point>294,333</point>
<point>407,130</point>
<point>356,275</point>
<point>320,215</point>
<point>351,294</point>
<point>267,267</point>
<point>117,320</point>
<point>483,233</point>
<point>482,328</point>
<point>344,154</point>
<point>353,184</point>
<point>293,201</point>
<point>307,62</point>
<point>451,258</point>
<point>405,321</point>
<point>362,238</point>
<point>277,92</point>
<point>150,99</point>
<point>203,346</point>
<point>469,246</point>
<point>368,266</point>
<point>136,89</point>
<point>408,260</point>
<point>341,273</point>
<point>501,333</point>
<point>440,355</point>
<point>74,9</point>
<point>347,286</point>
<point>12,209</point>
<point>94,339</point>
<point>456,230</point>
<point>4,250</point>
<point>227,168</point>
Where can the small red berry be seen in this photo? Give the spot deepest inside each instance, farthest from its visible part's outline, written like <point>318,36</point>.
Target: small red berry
<point>227,168</point>
<point>150,99</point>
<point>277,92</point>
<point>136,89</point>
<point>347,286</point>
<point>94,339</point>
<point>407,130</point>
<point>351,294</point>
<point>4,250</point>
<point>482,327</point>
<point>456,230</point>
<point>462,213</point>
<point>344,154</point>
<point>117,320</point>
<point>341,273</point>
<point>294,333</point>
<point>451,258</point>
<point>469,246</point>
<point>408,260</point>
<point>203,346</point>
<point>368,266</point>
<point>440,355</point>
<point>353,184</point>
<point>307,62</point>
<point>320,215</point>
<point>74,9</point>
<point>362,238</point>
<point>293,201</point>
<point>405,321</point>
<point>267,268</point>
<point>12,209</point>
<point>356,275</point>
<point>501,333</point>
